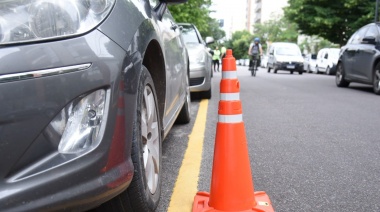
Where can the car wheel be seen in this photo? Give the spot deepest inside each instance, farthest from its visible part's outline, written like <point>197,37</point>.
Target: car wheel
<point>300,72</point>
<point>376,79</point>
<point>339,77</point>
<point>184,114</point>
<point>291,72</point>
<point>206,94</point>
<point>143,193</point>
<point>328,70</point>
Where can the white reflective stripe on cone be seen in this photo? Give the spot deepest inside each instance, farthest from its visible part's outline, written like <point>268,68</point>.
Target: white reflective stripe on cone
<point>231,118</point>
<point>230,96</point>
<point>229,75</point>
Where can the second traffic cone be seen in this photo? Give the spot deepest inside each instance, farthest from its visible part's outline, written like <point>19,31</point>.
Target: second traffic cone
<point>231,184</point>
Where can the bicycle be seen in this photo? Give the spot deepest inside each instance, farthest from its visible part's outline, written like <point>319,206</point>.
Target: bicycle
<point>253,68</point>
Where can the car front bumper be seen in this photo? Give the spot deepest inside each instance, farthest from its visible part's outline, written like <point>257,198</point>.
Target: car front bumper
<point>290,66</point>
<point>34,176</point>
<point>200,77</point>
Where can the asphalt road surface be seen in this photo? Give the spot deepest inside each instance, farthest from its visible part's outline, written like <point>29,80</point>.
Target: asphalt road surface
<point>313,146</point>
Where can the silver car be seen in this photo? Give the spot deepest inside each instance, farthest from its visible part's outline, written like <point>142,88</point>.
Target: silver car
<point>200,59</point>
<point>88,91</point>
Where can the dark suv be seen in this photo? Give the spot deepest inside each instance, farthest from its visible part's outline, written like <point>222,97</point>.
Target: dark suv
<point>88,91</point>
<point>359,59</point>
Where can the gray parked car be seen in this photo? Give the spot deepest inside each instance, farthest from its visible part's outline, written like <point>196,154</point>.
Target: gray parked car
<point>200,59</point>
<point>88,90</point>
<point>359,59</point>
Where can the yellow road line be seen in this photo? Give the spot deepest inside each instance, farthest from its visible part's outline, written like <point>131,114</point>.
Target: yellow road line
<point>186,185</point>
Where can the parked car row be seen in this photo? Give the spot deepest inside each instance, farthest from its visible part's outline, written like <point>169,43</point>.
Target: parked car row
<point>323,62</point>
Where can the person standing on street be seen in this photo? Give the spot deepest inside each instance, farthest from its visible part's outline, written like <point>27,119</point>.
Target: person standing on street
<point>223,51</point>
<point>216,58</point>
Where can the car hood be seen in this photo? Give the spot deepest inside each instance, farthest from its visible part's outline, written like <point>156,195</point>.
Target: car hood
<point>288,58</point>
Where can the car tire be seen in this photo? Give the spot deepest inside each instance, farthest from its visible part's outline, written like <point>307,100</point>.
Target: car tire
<point>184,114</point>
<point>376,79</point>
<point>300,72</point>
<point>143,194</point>
<point>291,72</point>
<point>328,71</point>
<point>206,94</point>
<point>339,77</point>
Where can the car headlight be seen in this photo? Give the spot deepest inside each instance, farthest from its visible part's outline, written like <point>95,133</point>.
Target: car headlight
<point>79,123</point>
<point>33,20</point>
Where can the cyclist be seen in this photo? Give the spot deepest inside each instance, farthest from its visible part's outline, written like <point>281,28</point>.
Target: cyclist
<point>255,51</point>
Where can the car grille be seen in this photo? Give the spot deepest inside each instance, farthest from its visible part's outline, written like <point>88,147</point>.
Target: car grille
<point>196,81</point>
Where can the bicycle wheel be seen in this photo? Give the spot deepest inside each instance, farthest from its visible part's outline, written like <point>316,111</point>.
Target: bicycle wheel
<point>253,71</point>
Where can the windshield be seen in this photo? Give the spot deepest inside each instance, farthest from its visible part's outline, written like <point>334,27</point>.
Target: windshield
<point>189,34</point>
<point>288,51</point>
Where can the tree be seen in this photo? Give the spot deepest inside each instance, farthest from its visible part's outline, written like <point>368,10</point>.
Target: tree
<point>276,30</point>
<point>332,20</point>
<point>239,43</point>
<point>312,44</point>
<point>197,12</point>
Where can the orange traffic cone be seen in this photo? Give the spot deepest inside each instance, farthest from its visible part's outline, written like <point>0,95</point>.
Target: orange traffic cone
<point>231,183</point>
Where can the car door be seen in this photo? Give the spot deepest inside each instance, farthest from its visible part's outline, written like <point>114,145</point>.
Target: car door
<point>324,61</point>
<point>350,54</point>
<point>319,60</point>
<point>175,62</point>
<point>271,57</point>
<point>366,53</point>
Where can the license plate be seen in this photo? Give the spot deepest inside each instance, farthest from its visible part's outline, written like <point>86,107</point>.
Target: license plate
<point>290,67</point>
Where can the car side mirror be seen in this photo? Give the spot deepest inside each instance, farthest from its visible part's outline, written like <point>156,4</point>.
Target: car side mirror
<point>369,40</point>
<point>209,40</point>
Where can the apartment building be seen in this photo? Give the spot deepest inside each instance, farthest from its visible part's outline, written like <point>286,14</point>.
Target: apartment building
<point>260,11</point>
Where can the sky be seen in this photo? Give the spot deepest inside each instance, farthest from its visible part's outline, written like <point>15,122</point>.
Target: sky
<point>229,11</point>
<point>227,8</point>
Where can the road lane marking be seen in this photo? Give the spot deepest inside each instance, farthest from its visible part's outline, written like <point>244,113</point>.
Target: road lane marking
<point>186,185</point>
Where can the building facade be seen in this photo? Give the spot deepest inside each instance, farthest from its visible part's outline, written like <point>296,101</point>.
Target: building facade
<point>260,11</point>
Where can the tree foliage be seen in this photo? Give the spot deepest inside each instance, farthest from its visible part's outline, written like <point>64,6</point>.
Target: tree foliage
<point>239,43</point>
<point>332,20</point>
<point>197,12</point>
<point>276,30</point>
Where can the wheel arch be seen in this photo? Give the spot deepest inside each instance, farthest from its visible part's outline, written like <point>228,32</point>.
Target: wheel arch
<point>154,61</point>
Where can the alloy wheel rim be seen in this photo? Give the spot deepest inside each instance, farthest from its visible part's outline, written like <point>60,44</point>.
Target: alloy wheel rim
<point>377,79</point>
<point>339,74</point>
<point>150,139</point>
